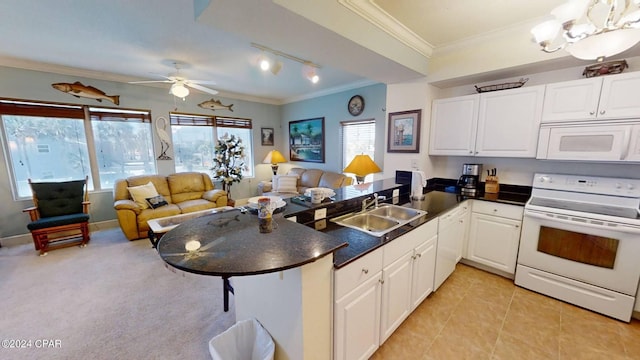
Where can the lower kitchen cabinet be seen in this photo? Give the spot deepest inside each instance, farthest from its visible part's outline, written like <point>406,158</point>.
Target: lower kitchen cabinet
<point>357,321</point>
<point>377,292</point>
<point>358,294</point>
<point>396,295</point>
<point>494,235</point>
<point>424,259</point>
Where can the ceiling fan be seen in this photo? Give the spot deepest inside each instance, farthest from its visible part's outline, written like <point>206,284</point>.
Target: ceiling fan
<point>180,85</point>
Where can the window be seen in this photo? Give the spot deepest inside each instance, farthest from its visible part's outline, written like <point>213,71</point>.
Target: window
<point>123,144</point>
<point>53,142</point>
<point>358,137</point>
<point>194,140</point>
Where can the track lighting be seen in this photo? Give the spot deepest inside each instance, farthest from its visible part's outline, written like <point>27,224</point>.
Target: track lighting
<point>312,75</point>
<point>277,66</point>
<point>265,63</point>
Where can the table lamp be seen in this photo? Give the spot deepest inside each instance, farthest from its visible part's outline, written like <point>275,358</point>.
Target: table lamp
<point>361,166</point>
<point>274,157</point>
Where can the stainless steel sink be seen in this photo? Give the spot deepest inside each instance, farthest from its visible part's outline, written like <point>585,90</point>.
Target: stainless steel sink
<point>370,222</point>
<point>380,220</point>
<point>396,212</point>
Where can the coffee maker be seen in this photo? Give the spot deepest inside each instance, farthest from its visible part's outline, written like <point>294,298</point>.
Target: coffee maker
<point>470,179</point>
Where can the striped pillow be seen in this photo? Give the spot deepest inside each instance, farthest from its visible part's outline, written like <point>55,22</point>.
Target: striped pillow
<point>285,183</point>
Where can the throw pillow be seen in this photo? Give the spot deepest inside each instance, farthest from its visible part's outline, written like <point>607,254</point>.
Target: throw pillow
<point>141,193</point>
<point>285,183</point>
<point>156,201</point>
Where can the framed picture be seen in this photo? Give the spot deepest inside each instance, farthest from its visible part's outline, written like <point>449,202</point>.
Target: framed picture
<point>306,140</point>
<point>404,131</point>
<point>266,134</point>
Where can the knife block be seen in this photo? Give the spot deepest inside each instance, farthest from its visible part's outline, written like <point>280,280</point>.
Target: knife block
<point>492,185</point>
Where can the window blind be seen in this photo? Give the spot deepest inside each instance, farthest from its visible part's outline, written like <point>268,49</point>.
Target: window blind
<point>357,137</point>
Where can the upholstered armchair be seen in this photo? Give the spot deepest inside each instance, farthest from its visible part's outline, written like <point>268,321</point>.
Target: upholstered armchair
<point>60,215</point>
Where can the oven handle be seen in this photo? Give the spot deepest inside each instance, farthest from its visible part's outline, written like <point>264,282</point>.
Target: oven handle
<point>618,227</point>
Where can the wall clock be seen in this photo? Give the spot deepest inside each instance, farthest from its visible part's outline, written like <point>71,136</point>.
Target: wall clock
<point>356,105</point>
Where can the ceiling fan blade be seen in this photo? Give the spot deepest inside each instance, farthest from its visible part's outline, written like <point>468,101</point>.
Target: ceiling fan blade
<point>149,81</point>
<point>202,82</point>
<point>202,88</point>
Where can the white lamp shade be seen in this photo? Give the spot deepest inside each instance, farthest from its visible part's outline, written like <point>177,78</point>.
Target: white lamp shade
<point>178,89</point>
<point>605,44</point>
<point>546,31</point>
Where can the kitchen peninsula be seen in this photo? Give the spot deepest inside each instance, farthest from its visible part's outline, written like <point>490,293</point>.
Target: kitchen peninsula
<point>285,279</point>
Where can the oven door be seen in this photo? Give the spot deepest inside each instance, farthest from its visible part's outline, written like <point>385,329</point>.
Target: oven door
<point>596,252</point>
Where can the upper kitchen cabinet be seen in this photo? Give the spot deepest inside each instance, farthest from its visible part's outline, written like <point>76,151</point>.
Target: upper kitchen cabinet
<point>608,97</point>
<point>453,125</point>
<point>499,124</point>
<point>509,122</point>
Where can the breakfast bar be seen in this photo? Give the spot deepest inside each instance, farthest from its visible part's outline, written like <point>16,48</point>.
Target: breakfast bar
<point>282,278</point>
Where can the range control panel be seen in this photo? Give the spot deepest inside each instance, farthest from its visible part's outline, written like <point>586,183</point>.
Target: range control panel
<point>588,184</point>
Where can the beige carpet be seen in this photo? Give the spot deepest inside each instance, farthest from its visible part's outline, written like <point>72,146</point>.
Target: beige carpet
<point>113,299</point>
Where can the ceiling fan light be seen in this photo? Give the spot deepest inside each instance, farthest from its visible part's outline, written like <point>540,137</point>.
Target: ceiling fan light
<point>179,90</point>
<point>605,45</point>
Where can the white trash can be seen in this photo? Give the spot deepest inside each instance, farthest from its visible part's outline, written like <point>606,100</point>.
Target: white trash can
<point>246,340</point>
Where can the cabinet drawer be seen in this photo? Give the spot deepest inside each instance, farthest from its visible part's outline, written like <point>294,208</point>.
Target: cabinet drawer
<point>350,276</point>
<point>409,241</point>
<point>496,209</point>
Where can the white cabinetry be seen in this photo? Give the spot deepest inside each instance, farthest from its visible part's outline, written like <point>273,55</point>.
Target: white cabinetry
<point>494,235</point>
<point>358,289</point>
<point>610,97</point>
<point>502,123</point>
<point>453,125</point>
<point>375,293</point>
<point>424,259</point>
<point>509,121</point>
<point>407,275</point>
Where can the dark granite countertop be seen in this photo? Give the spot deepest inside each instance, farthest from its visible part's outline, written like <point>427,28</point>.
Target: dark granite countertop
<point>436,202</point>
<point>231,245</point>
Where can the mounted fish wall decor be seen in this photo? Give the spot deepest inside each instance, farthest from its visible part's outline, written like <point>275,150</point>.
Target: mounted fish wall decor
<point>215,105</point>
<point>79,90</point>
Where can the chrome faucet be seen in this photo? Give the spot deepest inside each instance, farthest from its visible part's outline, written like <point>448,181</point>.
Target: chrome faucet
<point>373,201</point>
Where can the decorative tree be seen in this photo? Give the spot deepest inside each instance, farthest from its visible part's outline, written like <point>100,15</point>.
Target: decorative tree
<point>228,161</point>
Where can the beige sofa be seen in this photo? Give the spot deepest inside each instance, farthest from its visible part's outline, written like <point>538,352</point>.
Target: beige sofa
<point>183,192</point>
<point>306,178</point>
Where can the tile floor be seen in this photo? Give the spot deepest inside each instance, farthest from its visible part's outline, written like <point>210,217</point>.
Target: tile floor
<point>478,315</point>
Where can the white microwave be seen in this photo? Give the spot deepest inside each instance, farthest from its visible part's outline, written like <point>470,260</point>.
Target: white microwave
<point>590,141</point>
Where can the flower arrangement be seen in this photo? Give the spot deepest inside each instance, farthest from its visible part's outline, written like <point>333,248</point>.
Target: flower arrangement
<point>228,161</point>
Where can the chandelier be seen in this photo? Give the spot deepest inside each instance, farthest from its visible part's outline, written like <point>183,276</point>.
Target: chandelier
<point>591,29</point>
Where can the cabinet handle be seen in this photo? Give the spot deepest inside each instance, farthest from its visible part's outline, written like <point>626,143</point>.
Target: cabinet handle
<point>366,271</point>
<point>602,112</point>
<point>470,152</point>
<point>381,281</point>
<point>592,112</point>
<point>517,226</point>
<point>419,255</point>
<point>461,221</point>
<point>476,152</point>
<point>495,210</point>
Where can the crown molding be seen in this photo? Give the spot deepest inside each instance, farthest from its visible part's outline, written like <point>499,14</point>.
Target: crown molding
<point>368,10</point>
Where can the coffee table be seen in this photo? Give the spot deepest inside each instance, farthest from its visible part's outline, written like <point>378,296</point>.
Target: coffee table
<point>161,226</point>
